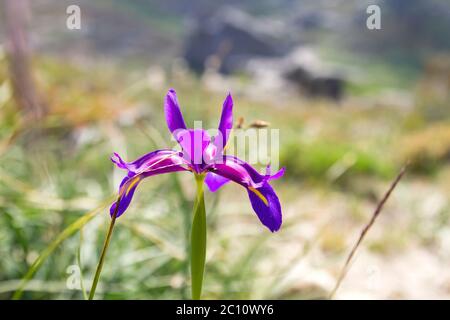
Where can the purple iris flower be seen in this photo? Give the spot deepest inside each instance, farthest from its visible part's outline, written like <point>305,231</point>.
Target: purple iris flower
<point>202,155</point>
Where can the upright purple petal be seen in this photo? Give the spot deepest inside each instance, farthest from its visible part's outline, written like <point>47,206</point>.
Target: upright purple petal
<point>210,154</point>
<point>174,118</point>
<point>194,142</point>
<point>214,181</point>
<point>225,124</point>
<point>267,206</point>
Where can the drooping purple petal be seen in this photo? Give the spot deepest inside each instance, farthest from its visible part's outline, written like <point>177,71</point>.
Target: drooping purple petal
<point>262,197</point>
<point>225,124</point>
<point>239,171</point>
<point>150,161</point>
<point>153,163</point>
<point>214,181</point>
<point>267,206</point>
<point>126,194</point>
<point>174,118</point>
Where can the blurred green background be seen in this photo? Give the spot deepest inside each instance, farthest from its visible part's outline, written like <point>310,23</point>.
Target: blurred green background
<point>352,105</point>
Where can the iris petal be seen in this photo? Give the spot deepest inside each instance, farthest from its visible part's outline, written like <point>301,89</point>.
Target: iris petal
<point>153,163</point>
<point>267,206</point>
<point>194,142</point>
<point>225,124</point>
<point>126,194</point>
<point>238,171</point>
<point>174,118</point>
<point>262,196</point>
<point>150,161</point>
<point>214,181</point>
<point>275,176</point>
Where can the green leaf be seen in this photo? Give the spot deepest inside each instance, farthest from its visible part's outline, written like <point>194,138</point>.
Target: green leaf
<point>198,241</point>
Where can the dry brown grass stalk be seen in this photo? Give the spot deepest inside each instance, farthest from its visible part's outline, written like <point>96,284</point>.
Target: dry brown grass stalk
<point>363,233</point>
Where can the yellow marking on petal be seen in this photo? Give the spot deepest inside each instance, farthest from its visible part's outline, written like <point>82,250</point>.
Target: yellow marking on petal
<point>132,184</point>
<point>260,195</point>
<point>229,138</point>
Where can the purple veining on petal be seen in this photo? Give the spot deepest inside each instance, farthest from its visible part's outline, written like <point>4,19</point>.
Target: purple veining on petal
<point>239,171</point>
<point>153,163</point>
<point>150,161</point>
<point>129,185</point>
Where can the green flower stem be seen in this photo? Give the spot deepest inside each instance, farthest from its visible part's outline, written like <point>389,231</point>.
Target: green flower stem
<point>198,240</point>
<point>103,254</point>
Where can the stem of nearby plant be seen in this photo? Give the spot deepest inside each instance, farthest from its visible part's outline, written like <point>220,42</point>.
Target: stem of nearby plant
<point>198,240</point>
<point>83,289</point>
<point>103,254</point>
<point>367,227</point>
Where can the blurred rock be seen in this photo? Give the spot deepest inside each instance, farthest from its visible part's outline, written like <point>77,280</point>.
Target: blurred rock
<point>435,81</point>
<point>227,40</point>
<point>303,71</point>
<point>433,90</point>
<point>312,76</point>
<point>316,86</point>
